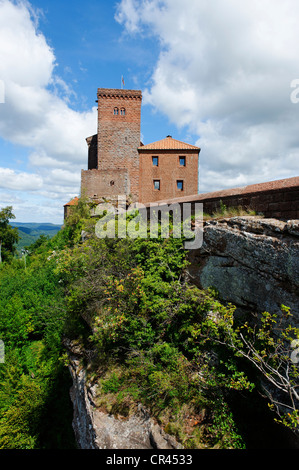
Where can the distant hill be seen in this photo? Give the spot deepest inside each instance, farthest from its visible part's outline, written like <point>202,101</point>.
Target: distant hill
<point>30,232</point>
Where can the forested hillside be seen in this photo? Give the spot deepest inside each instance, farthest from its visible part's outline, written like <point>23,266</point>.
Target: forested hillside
<point>31,232</point>
<point>155,339</point>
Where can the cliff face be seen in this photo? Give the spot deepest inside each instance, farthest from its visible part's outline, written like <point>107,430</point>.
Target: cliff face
<point>252,262</point>
<point>96,429</point>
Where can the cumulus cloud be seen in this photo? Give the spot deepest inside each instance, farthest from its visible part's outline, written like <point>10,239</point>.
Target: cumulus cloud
<point>224,72</point>
<point>26,58</point>
<point>36,112</point>
<point>9,179</point>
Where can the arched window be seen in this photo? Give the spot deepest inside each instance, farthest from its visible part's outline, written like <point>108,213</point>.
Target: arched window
<point>123,111</point>
<point>115,112</point>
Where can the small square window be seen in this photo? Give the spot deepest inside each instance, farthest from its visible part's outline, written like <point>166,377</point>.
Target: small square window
<point>180,185</point>
<point>155,161</point>
<point>157,185</point>
<point>182,161</point>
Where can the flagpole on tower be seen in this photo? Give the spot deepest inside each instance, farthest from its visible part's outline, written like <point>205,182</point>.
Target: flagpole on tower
<point>122,82</point>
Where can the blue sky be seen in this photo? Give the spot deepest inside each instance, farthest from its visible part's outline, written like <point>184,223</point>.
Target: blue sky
<point>94,50</point>
<point>212,73</point>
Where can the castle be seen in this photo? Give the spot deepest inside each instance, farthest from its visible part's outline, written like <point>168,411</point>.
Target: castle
<point>119,164</point>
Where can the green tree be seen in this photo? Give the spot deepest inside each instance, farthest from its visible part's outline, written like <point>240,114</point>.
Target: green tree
<point>267,345</point>
<point>34,382</point>
<point>9,236</point>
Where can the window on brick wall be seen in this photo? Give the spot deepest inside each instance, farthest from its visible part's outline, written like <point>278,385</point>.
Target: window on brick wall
<point>180,185</point>
<point>123,112</point>
<point>155,161</point>
<point>157,185</point>
<point>115,112</point>
<point>182,161</point>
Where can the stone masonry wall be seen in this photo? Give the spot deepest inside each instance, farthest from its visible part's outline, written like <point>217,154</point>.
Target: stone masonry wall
<point>92,143</point>
<point>101,183</point>
<point>167,172</point>
<point>278,199</point>
<point>119,134</point>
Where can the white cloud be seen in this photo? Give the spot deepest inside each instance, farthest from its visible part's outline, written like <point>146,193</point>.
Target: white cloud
<point>128,14</point>
<point>225,71</point>
<point>63,177</point>
<point>26,58</point>
<point>9,179</point>
<point>8,199</point>
<point>36,113</point>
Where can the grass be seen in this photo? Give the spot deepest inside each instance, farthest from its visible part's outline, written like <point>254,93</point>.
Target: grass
<point>228,212</point>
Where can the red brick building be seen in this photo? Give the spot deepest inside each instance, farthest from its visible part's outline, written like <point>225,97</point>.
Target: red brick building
<point>168,169</point>
<point>119,164</point>
<point>69,205</point>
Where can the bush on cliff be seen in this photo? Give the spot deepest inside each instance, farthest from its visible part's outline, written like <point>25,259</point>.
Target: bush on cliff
<point>159,341</point>
<point>137,301</point>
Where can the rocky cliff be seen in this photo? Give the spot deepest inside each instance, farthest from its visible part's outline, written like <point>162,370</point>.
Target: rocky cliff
<point>97,429</point>
<point>251,261</point>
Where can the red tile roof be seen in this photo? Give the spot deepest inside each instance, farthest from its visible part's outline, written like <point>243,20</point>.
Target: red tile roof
<point>168,144</point>
<point>73,202</point>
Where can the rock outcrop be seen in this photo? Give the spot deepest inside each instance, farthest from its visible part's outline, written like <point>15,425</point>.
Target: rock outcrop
<point>254,264</point>
<point>95,429</point>
<point>251,261</point>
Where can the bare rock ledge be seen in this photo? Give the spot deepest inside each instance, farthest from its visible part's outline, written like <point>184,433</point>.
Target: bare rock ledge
<point>251,261</point>
<point>95,429</point>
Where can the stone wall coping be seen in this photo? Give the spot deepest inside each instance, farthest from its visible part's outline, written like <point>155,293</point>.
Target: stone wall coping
<point>277,185</point>
<point>115,92</point>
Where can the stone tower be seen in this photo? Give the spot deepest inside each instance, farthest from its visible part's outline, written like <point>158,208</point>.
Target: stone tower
<point>113,158</point>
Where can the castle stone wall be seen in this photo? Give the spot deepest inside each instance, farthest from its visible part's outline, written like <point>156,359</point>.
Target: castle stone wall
<point>278,199</point>
<point>119,115</point>
<point>105,183</point>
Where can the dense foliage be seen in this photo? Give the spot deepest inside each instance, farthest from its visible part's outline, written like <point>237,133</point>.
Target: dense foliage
<point>33,411</point>
<point>156,340</point>
<point>8,235</point>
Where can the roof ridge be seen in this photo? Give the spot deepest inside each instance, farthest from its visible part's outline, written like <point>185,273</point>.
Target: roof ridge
<point>168,143</point>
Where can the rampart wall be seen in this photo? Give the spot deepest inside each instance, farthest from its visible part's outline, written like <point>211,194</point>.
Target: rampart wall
<point>105,183</point>
<point>275,199</point>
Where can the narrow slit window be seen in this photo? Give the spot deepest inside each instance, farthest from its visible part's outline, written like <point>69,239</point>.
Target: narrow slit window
<point>182,161</point>
<point>157,185</point>
<point>180,185</point>
<point>155,161</point>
